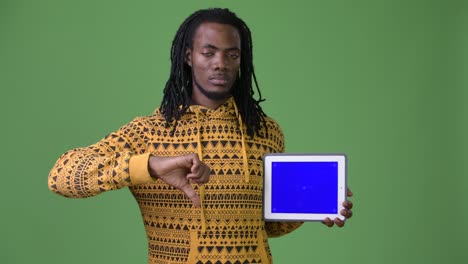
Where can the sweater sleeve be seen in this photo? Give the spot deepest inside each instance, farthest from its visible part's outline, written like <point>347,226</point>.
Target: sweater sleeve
<point>276,229</point>
<point>106,165</point>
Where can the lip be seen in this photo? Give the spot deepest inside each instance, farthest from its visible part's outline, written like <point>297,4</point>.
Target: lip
<point>218,80</point>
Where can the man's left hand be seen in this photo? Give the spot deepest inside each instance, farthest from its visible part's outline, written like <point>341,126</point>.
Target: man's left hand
<point>346,212</point>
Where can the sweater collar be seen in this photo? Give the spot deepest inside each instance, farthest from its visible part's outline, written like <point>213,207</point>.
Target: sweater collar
<point>227,108</point>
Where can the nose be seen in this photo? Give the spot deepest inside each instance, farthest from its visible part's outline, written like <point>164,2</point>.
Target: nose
<point>220,62</point>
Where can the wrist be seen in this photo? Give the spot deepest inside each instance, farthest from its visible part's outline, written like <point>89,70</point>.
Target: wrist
<point>152,164</point>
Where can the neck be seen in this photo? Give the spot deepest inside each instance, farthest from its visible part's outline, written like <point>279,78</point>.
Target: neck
<point>208,99</point>
<point>208,103</point>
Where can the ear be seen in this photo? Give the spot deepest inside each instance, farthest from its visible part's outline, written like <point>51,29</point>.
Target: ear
<point>188,57</point>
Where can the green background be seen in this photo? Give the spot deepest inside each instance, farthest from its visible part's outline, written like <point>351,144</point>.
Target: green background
<point>383,81</point>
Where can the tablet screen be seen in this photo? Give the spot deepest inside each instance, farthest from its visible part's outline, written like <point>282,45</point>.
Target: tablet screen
<point>304,187</point>
<point>311,185</point>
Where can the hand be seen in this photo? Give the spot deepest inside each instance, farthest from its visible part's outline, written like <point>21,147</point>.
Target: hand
<point>347,213</point>
<point>179,172</point>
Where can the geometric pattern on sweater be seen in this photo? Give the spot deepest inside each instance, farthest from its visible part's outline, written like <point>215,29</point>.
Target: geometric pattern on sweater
<point>235,229</point>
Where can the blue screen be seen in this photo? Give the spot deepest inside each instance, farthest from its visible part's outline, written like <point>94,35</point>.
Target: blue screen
<point>304,187</point>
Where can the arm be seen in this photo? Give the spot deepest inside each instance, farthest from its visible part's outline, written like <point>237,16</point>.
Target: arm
<point>110,164</point>
<point>276,229</point>
<point>113,163</point>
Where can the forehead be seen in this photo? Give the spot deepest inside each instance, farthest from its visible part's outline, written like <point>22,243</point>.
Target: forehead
<point>222,36</point>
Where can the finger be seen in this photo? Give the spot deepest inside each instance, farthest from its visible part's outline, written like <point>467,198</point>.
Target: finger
<point>205,174</point>
<point>198,174</point>
<point>328,222</point>
<point>197,181</point>
<point>202,177</point>
<point>195,166</point>
<point>192,176</point>
<point>346,213</point>
<point>339,222</point>
<point>190,192</point>
<point>349,193</point>
<point>184,162</point>
<point>194,163</point>
<point>198,177</point>
<point>348,205</point>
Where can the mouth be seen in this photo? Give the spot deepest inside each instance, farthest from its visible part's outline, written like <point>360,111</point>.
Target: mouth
<point>218,80</point>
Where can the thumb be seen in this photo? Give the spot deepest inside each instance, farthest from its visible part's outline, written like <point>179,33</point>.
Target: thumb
<point>190,192</point>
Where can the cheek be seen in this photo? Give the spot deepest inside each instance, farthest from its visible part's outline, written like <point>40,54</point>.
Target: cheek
<point>200,70</point>
<point>236,67</point>
<point>236,64</point>
<point>200,65</point>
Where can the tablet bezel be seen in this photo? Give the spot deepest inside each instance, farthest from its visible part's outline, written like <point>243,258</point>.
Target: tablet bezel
<point>307,157</point>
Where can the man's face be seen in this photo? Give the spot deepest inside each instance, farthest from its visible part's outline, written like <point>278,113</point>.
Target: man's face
<point>215,62</point>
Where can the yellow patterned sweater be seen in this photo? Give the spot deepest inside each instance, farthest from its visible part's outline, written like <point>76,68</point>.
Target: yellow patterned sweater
<point>228,228</point>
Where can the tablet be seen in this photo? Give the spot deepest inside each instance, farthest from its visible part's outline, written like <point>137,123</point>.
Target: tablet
<point>304,187</point>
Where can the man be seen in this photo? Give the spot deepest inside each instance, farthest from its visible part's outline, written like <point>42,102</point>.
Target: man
<point>195,166</point>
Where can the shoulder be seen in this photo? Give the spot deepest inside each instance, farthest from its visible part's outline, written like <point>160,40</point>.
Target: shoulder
<point>271,135</point>
<point>273,127</point>
<point>155,118</point>
<point>144,123</point>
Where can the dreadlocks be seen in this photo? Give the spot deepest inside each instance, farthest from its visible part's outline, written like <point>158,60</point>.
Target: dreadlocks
<point>178,90</point>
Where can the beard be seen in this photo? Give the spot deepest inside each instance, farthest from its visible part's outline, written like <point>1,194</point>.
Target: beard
<point>213,95</point>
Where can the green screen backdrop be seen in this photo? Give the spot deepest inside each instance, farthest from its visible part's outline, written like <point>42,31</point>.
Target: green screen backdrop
<point>383,81</point>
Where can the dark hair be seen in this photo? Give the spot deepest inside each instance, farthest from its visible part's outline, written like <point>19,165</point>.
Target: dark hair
<point>178,90</point>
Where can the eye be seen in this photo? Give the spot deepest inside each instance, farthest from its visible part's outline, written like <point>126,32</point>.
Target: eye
<point>234,56</point>
<point>207,54</point>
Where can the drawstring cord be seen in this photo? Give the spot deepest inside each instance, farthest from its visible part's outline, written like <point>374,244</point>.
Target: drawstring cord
<point>244,150</point>
<point>200,155</point>
<point>202,187</point>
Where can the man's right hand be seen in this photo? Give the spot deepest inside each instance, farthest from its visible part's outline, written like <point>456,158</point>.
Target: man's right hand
<point>179,172</point>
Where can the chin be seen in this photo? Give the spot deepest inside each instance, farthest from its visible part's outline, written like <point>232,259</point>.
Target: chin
<point>217,95</point>
<point>214,92</point>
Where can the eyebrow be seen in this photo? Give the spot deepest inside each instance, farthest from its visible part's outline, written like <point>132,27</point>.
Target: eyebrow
<point>216,48</point>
